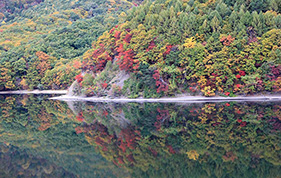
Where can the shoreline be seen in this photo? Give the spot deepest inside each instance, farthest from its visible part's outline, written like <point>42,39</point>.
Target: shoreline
<point>182,99</point>
<point>179,99</point>
<point>22,92</point>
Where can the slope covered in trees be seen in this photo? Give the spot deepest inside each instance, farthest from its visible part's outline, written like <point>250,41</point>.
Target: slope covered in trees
<point>168,47</point>
<point>10,9</point>
<point>40,39</point>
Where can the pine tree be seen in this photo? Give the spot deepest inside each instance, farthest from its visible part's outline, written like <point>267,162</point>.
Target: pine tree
<point>257,24</point>
<point>277,21</point>
<point>223,10</point>
<point>215,24</point>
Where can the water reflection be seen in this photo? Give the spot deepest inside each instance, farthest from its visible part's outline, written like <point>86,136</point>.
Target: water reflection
<point>147,140</point>
<point>45,129</point>
<point>18,163</point>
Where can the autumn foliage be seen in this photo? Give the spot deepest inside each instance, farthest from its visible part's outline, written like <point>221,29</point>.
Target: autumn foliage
<point>43,62</point>
<point>227,40</point>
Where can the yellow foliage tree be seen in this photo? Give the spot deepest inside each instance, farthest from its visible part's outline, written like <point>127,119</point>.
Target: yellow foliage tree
<point>189,43</point>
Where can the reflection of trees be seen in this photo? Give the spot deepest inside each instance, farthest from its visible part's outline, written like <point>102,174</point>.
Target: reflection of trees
<point>17,163</point>
<point>25,116</point>
<point>46,129</point>
<point>152,140</point>
<point>219,140</point>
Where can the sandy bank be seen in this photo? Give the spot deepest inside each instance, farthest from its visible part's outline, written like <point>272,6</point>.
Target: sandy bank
<point>34,92</point>
<point>185,99</point>
<point>189,99</point>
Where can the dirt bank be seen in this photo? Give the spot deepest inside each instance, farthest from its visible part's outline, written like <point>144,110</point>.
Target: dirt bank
<point>170,100</point>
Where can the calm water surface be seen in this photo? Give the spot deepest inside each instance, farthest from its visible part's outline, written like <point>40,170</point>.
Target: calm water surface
<point>45,138</point>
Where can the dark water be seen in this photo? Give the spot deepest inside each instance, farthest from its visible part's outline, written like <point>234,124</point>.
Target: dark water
<point>45,138</point>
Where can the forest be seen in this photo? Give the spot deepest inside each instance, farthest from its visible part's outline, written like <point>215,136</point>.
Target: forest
<point>40,40</point>
<point>142,49</point>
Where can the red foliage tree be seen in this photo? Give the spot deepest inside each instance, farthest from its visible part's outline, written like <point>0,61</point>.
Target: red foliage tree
<point>227,40</point>
<point>79,78</point>
<point>112,30</point>
<point>151,46</point>
<point>242,73</point>
<point>117,35</point>
<point>160,84</point>
<point>128,38</point>
<point>126,61</point>
<point>168,49</point>
<point>104,85</point>
<point>238,76</point>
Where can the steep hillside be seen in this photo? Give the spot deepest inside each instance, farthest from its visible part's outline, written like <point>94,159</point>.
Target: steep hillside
<point>169,47</point>
<point>40,40</point>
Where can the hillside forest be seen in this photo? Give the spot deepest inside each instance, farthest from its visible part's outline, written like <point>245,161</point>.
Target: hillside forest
<point>40,40</point>
<point>142,49</point>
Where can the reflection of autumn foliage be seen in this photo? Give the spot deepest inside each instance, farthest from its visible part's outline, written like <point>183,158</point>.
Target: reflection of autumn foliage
<point>128,138</point>
<point>80,117</point>
<point>161,117</point>
<point>193,136</point>
<point>229,156</point>
<point>44,126</point>
<point>122,144</point>
<point>105,113</point>
<point>192,154</point>
<point>79,129</point>
<point>196,132</point>
<point>171,150</point>
<point>277,111</point>
<point>42,114</point>
<point>126,134</point>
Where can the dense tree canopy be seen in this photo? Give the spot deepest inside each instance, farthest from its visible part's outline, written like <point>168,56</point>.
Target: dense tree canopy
<point>158,48</point>
<point>209,47</point>
<point>62,30</point>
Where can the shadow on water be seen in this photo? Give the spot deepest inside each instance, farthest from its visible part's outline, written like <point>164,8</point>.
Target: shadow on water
<point>49,138</point>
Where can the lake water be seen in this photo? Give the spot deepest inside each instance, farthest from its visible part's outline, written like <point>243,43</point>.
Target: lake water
<point>47,138</point>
